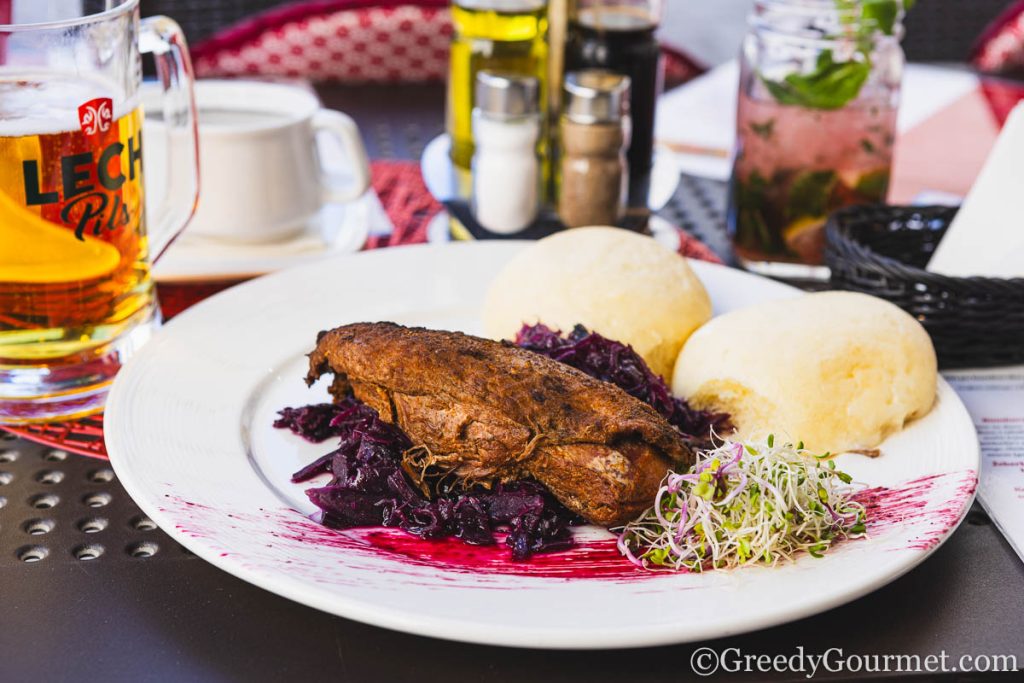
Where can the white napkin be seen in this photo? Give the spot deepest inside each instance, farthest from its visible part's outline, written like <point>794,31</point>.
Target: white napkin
<point>987,235</point>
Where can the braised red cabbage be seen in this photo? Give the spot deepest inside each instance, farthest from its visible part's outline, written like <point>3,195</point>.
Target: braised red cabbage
<point>312,423</point>
<point>369,488</point>
<point>615,362</point>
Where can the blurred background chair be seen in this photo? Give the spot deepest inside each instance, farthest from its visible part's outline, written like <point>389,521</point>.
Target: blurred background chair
<point>350,41</point>
<point>238,37</point>
<point>937,30</point>
<point>337,40</point>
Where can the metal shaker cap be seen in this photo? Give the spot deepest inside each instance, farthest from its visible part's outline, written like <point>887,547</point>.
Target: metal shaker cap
<point>506,95</point>
<point>596,96</point>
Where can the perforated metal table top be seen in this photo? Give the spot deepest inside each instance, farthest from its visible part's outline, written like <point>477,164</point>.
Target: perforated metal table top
<point>90,590</point>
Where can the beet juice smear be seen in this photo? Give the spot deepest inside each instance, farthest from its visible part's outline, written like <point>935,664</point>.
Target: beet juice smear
<point>590,559</point>
<point>411,560</point>
<point>912,505</point>
<point>920,511</point>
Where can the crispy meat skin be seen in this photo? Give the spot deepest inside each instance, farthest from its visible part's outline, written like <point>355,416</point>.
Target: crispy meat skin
<point>484,411</point>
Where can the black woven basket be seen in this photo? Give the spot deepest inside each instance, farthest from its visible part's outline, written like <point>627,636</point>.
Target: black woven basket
<point>883,250</point>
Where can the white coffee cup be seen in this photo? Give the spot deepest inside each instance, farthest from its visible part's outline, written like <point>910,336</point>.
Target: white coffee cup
<point>261,176</point>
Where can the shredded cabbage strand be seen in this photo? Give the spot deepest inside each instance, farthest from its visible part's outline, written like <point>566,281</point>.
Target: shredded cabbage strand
<point>745,503</point>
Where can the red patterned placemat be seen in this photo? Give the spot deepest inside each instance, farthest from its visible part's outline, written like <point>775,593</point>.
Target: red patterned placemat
<point>83,436</point>
<point>406,200</point>
<point>409,206</point>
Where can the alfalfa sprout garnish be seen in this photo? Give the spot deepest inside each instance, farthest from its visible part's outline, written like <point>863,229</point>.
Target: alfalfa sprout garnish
<point>745,503</point>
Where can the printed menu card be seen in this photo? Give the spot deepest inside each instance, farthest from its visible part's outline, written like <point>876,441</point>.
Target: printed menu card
<point>995,399</point>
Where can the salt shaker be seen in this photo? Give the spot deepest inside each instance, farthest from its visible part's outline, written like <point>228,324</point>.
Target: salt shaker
<point>595,133</point>
<point>506,168</point>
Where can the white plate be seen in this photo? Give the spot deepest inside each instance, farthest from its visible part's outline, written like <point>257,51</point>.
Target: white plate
<point>446,182</point>
<point>188,430</point>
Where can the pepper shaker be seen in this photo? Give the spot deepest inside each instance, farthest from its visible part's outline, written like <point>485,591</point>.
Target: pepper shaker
<point>620,36</point>
<point>595,133</point>
<point>506,168</point>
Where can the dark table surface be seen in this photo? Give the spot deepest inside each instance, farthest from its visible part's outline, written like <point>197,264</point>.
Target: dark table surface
<point>114,599</point>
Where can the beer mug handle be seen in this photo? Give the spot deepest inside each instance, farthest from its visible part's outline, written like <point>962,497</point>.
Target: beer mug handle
<point>163,38</point>
<point>346,132</point>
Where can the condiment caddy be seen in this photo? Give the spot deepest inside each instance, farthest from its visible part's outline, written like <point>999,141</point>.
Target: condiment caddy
<point>545,127</point>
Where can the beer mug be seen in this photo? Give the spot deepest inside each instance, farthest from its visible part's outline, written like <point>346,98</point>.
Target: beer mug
<point>76,296</point>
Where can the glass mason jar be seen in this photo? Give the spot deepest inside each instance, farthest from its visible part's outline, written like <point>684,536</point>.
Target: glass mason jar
<point>816,121</point>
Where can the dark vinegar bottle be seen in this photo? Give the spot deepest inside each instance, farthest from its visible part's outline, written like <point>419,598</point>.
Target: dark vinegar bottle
<point>618,35</point>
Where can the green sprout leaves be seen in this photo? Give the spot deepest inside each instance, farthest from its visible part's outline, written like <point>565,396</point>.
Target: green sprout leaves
<point>833,84</point>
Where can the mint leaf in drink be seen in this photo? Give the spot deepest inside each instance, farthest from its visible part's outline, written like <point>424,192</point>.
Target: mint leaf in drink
<point>751,203</point>
<point>873,184</point>
<point>831,85</point>
<point>763,130</point>
<point>883,13</point>
<point>877,15</point>
<point>809,194</point>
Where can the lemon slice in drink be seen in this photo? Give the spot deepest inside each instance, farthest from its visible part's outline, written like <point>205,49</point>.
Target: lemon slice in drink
<point>805,237</point>
<point>34,250</point>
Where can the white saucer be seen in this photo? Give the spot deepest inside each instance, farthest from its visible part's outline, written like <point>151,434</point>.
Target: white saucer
<point>337,229</point>
<point>444,181</point>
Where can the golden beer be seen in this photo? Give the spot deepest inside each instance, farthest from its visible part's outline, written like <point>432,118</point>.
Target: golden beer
<point>76,297</point>
<point>74,273</point>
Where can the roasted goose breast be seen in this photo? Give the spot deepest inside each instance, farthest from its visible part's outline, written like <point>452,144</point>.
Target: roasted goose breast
<point>480,411</point>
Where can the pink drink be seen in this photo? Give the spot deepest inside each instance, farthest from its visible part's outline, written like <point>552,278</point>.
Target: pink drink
<point>795,165</point>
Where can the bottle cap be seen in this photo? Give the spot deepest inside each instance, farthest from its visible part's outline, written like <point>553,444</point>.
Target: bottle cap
<point>503,5</point>
<point>596,96</point>
<point>505,95</point>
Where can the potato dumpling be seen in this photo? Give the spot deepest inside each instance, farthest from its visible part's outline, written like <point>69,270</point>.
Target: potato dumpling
<point>838,370</point>
<point>617,283</point>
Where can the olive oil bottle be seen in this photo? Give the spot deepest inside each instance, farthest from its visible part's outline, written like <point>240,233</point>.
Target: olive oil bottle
<point>499,35</point>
